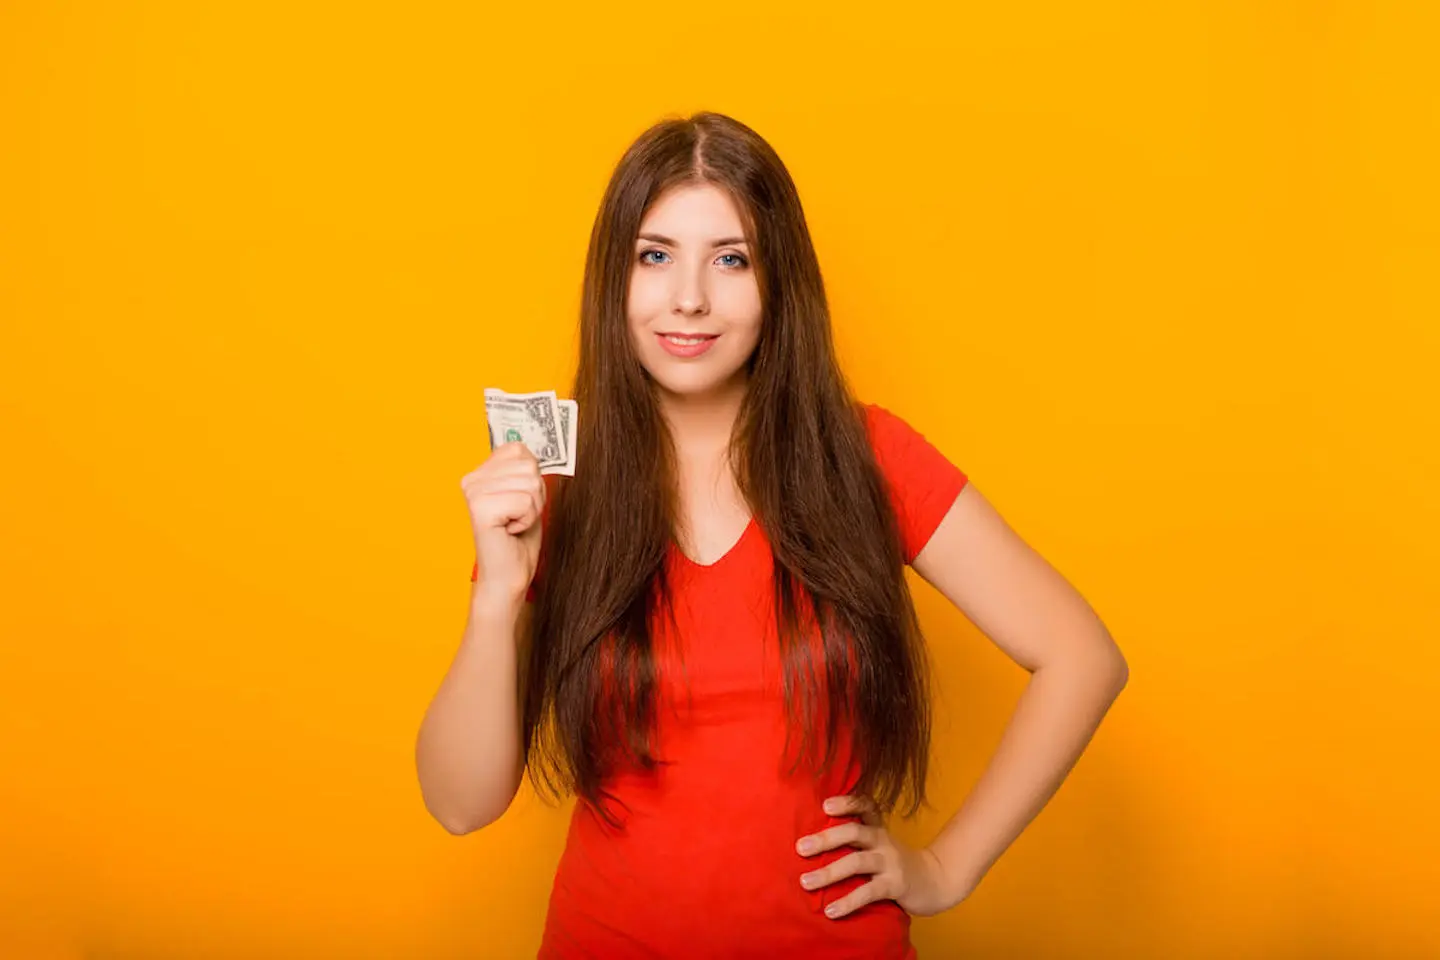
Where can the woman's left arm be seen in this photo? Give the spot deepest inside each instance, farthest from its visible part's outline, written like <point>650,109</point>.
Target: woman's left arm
<point>1031,612</point>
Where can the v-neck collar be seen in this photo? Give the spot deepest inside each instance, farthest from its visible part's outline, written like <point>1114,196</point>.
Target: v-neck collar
<point>734,548</point>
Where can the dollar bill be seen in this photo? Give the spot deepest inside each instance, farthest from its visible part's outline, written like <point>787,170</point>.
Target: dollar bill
<point>543,422</point>
<point>569,424</point>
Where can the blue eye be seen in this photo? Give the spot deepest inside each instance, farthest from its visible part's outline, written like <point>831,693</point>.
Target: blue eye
<point>646,253</point>
<point>739,260</point>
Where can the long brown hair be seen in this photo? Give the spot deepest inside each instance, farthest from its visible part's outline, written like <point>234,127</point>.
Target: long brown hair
<point>802,460</point>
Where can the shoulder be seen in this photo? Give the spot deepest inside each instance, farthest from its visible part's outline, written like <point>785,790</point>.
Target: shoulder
<point>884,426</point>
<point>922,481</point>
<point>898,445</point>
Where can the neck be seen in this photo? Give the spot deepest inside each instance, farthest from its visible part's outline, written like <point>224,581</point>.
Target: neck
<point>702,423</point>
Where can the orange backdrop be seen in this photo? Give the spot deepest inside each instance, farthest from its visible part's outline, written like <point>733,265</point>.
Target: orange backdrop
<point>1160,277</point>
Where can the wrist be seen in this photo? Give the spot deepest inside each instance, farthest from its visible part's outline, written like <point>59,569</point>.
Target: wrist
<point>499,608</point>
<point>956,884</point>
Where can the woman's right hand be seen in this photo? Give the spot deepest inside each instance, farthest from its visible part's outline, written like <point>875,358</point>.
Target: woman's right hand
<point>506,495</point>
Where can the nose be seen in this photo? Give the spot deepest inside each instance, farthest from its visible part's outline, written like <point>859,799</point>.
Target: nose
<point>690,298</point>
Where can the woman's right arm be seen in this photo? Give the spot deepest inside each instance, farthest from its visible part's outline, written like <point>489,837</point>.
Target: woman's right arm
<point>469,753</point>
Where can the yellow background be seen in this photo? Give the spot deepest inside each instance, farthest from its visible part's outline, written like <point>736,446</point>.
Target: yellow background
<point>1160,276</point>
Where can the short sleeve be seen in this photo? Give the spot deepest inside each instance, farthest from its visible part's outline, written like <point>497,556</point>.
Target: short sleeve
<point>923,482</point>
<point>550,484</point>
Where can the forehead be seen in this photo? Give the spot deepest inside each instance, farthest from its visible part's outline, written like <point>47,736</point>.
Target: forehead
<point>694,210</point>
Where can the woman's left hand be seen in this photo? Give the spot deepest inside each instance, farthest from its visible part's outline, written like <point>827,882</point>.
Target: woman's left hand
<point>915,879</point>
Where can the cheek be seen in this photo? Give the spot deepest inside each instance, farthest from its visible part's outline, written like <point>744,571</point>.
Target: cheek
<point>645,298</point>
<point>746,346</point>
<point>745,313</point>
<point>750,293</point>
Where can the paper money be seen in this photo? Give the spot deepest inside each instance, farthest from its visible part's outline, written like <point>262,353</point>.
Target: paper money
<point>569,423</point>
<point>543,422</point>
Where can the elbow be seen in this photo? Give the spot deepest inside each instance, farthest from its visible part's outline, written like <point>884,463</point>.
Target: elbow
<point>1121,674</point>
<point>464,801</point>
<point>1116,667</point>
<point>459,824</point>
<point>462,811</point>
<point>1096,660</point>
<point>459,828</point>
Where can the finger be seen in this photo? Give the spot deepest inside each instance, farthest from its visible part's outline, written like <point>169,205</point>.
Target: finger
<point>514,515</point>
<point>507,475</point>
<point>515,449</point>
<point>854,900</point>
<point>507,460</point>
<point>861,861</point>
<point>520,526</point>
<point>863,807</point>
<point>514,510</point>
<point>502,466</point>
<point>846,834</point>
<point>521,482</point>
<point>507,452</point>
<point>503,452</point>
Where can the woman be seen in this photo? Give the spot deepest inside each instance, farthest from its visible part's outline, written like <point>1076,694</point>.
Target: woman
<point>715,647</point>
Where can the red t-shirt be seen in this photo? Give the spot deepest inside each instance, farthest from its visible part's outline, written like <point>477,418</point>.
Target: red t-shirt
<point>705,865</point>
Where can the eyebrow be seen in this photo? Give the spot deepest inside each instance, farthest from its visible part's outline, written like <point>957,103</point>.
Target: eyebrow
<point>657,238</point>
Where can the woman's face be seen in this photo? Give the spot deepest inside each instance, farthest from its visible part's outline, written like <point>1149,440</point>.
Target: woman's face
<point>694,303</point>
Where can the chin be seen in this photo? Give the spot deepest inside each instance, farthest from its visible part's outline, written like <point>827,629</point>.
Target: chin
<point>687,386</point>
<point>694,382</point>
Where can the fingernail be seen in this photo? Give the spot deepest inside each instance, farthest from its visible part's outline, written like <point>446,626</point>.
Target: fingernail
<point>806,846</point>
<point>832,805</point>
<point>807,881</point>
<point>831,910</point>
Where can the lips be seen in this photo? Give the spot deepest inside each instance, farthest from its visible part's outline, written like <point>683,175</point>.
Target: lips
<point>686,345</point>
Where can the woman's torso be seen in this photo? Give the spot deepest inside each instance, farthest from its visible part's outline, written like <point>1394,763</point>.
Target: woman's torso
<point>704,863</point>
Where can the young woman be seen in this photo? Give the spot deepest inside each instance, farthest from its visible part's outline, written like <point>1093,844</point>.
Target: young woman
<point>706,634</point>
